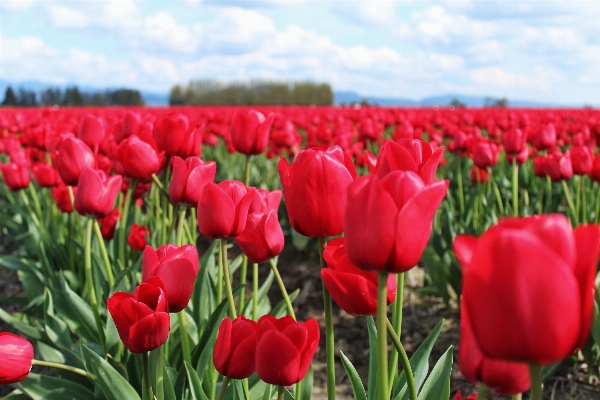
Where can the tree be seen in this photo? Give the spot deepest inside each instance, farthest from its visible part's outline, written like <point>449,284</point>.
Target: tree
<point>73,97</point>
<point>10,99</point>
<point>456,103</point>
<point>51,96</point>
<point>27,98</point>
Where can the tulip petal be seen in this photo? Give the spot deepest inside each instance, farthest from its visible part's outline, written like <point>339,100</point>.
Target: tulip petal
<point>429,168</point>
<point>355,294</point>
<point>277,359</point>
<point>216,212</point>
<point>149,332</point>
<point>464,247</point>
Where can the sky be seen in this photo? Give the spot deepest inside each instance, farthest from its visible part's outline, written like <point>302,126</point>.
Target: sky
<point>547,51</point>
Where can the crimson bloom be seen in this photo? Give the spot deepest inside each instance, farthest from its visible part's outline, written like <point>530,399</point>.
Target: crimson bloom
<point>250,131</point>
<point>262,238</point>
<point>529,287</point>
<point>16,176</point>
<point>514,141</point>
<point>582,158</point>
<point>264,201</point>
<point>16,354</point>
<point>354,289</point>
<point>63,198</point>
<point>139,159</point>
<point>189,178</point>
<point>142,318</point>
<point>314,188</point>
<point>109,223</point>
<point>177,267</point>
<point>479,175</point>
<point>285,349</point>
<point>235,348</point>
<point>388,221</point>
<point>71,158</point>
<point>96,192</point>
<point>170,133</point>
<point>45,174</point>
<point>92,130</point>
<point>223,209</point>
<point>137,237</point>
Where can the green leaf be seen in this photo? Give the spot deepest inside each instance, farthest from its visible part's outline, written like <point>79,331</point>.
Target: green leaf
<point>42,387</point>
<point>437,385</point>
<point>281,308</point>
<point>238,390</point>
<point>357,387</point>
<point>113,385</point>
<point>195,384</point>
<point>262,293</point>
<point>596,324</point>
<point>25,328</point>
<point>372,377</point>
<point>76,312</point>
<point>307,385</point>
<point>168,385</point>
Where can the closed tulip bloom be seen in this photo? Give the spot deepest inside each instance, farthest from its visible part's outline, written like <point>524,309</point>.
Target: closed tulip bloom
<point>582,159</point>
<point>408,155</point>
<point>92,130</point>
<point>479,175</point>
<point>235,348</point>
<point>388,221</point>
<point>314,189</point>
<point>130,125</point>
<point>16,176</point>
<point>559,166</point>
<point>137,237</point>
<point>264,201</point>
<point>45,174</point>
<point>109,223</point>
<point>485,154</point>
<point>96,193</point>
<point>262,238</point>
<point>223,209</point>
<point>547,137</point>
<point>170,133</point>
<point>16,354</point>
<point>521,158</point>
<point>177,267</point>
<point>285,349</point>
<point>192,145</point>
<point>189,178</point>
<point>71,158</point>
<point>529,287</point>
<point>139,159</point>
<point>514,141</point>
<point>352,288</point>
<point>500,376</point>
<point>250,131</point>
<point>142,318</point>
<point>595,172</point>
<point>63,198</point>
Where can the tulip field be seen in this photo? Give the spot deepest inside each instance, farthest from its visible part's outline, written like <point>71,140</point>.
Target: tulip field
<point>149,245</point>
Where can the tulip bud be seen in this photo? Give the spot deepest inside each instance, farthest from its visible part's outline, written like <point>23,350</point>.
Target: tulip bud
<point>235,348</point>
<point>262,237</point>
<point>189,178</point>
<point>16,354</point>
<point>96,193</point>
<point>71,158</point>
<point>16,176</point>
<point>250,131</point>
<point>137,237</point>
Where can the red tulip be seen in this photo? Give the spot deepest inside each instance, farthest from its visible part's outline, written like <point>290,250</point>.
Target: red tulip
<point>285,349</point>
<point>139,159</point>
<point>479,175</point>
<point>262,238</point>
<point>458,396</point>
<point>45,174</point>
<point>522,157</point>
<point>514,141</point>
<point>137,237</point>
<point>529,287</point>
<point>388,221</point>
<point>595,172</point>
<point>63,198</point>
<point>501,377</point>
<point>314,188</point>
<point>16,176</point>
<point>235,348</point>
<point>582,159</point>
<point>223,209</point>
<point>130,125</point>
<point>92,130</point>
<point>96,193</point>
<point>558,166</point>
<point>109,223</point>
<point>354,289</point>
<point>263,201</point>
<point>71,158</point>
<point>485,154</point>
<point>547,137</point>
<point>16,354</point>
<point>170,132</point>
<point>189,178</point>
<point>192,146</point>
<point>177,267</point>
<point>408,155</point>
<point>142,318</point>
<point>250,131</point>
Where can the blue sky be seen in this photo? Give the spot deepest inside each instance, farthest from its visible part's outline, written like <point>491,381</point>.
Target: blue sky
<point>547,51</point>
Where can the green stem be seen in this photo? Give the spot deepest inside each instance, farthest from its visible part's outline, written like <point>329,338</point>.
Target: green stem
<point>517,396</point>
<point>63,367</point>
<point>223,388</point>
<point>541,199</point>
<point>397,325</point>
<point>109,273</point>
<point>410,378</point>
<point>286,298</point>
<point>36,200</point>
<point>461,193</point>
<point>584,198</point>
<point>147,383</point>
<point>483,392</point>
<point>549,196</point>
<point>194,223</point>
<point>159,185</point>
<point>160,369</point>
<point>185,338</point>
<point>280,392</point>
<point>228,289</point>
<point>34,217</point>
<point>123,228</point>
<point>382,353</point>
<point>254,291</point>
<point>498,197</point>
<point>515,187</point>
<point>535,372</point>
<point>180,225</point>
<point>243,276</point>
<point>90,282</point>
<point>220,276</point>
<point>570,202</point>
<point>247,170</point>
<point>597,215</point>
<point>329,339</point>
<point>578,198</point>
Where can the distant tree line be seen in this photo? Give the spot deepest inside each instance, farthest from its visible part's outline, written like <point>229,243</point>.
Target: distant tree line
<point>71,96</point>
<point>256,92</point>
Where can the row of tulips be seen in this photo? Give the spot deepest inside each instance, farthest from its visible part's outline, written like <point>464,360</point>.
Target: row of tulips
<point>386,219</point>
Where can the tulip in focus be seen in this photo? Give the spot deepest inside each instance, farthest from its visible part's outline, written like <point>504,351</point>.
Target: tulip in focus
<point>142,318</point>
<point>177,267</point>
<point>235,348</point>
<point>389,221</point>
<point>262,238</point>
<point>285,349</point>
<point>71,158</point>
<point>16,354</point>
<point>96,193</point>
<point>170,133</point>
<point>529,287</point>
<point>139,159</point>
<point>250,131</point>
<point>189,178</point>
<point>353,288</point>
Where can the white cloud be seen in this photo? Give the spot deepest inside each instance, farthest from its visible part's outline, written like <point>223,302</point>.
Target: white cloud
<point>369,12</point>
